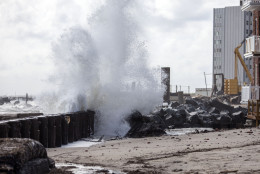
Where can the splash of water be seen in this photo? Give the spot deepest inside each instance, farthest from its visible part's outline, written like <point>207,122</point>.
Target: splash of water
<point>104,68</point>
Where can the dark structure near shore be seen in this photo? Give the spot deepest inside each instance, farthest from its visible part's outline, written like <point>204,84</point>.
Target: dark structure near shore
<point>166,76</point>
<point>50,130</point>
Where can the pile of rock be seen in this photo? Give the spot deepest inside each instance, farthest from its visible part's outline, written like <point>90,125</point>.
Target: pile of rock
<point>23,156</point>
<point>196,112</point>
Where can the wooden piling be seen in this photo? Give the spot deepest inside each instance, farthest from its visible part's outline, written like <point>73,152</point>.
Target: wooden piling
<point>4,130</point>
<point>15,129</point>
<point>51,131</point>
<point>91,121</point>
<point>43,130</point>
<point>80,116</point>
<point>88,129</point>
<point>58,120</point>
<point>65,128</point>
<point>84,124</point>
<point>25,128</point>
<point>76,126</point>
<point>71,128</point>
<point>35,129</point>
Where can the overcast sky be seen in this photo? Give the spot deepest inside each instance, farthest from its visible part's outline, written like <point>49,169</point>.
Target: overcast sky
<point>178,34</point>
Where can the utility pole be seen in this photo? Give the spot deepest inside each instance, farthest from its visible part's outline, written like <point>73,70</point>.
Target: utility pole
<point>206,83</point>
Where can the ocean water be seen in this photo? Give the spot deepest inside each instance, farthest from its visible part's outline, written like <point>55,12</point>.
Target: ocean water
<point>21,107</point>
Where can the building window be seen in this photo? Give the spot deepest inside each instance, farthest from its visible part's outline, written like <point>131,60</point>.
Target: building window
<point>217,42</point>
<point>218,50</point>
<point>246,31</point>
<point>246,22</point>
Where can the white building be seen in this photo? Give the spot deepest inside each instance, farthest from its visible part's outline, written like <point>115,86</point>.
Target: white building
<point>230,27</point>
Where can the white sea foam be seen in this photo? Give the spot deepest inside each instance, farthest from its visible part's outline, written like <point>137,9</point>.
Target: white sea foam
<point>103,67</point>
<point>20,107</point>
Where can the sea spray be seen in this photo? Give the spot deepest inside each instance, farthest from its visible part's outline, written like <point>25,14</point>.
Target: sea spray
<point>103,67</point>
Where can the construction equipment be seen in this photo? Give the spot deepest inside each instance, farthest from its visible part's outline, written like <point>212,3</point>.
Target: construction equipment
<point>231,85</point>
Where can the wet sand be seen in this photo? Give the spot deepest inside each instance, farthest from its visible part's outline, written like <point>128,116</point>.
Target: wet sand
<point>231,151</point>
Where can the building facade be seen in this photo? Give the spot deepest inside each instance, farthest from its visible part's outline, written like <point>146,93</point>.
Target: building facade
<point>230,27</point>
<point>252,50</point>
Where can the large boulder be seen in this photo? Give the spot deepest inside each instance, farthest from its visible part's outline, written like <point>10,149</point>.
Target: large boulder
<point>194,120</point>
<point>221,106</point>
<point>235,100</point>
<point>214,110</point>
<point>207,119</point>
<point>191,102</point>
<point>238,119</point>
<point>174,104</point>
<point>145,126</point>
<point>224,121</point>
<point>23,156</point>
<point>175,120</point>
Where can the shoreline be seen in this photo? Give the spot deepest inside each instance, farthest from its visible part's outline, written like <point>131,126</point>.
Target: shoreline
<point>228,151</point>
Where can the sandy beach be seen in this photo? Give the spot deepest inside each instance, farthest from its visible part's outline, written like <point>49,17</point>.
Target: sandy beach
<point>230,151</point>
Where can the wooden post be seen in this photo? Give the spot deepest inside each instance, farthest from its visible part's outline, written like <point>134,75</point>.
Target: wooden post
<point>84,124</point>
<point>71,129</point>
<point>65,126</point>
<point>15,129</point>
<point>52,132</point>
<point>58,120</point>
<point>80,125</point>
<point>25,128</point>
<point>4,129</point>
<point>76,126</point>
<point>44,131</point>
<point>35,130</point>
<point>91,115</point>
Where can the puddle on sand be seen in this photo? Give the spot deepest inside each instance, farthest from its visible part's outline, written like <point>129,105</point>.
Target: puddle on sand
<point>81,169</point>
<point>184,131</point>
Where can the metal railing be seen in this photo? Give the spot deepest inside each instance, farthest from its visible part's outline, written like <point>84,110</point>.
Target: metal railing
<point>253,45</point>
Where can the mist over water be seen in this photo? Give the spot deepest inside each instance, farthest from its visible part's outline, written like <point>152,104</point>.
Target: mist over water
<point>103,67</point>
